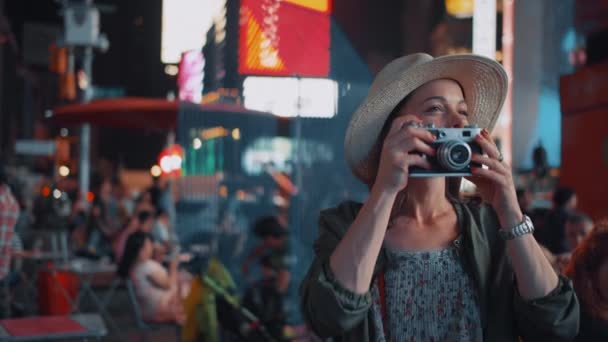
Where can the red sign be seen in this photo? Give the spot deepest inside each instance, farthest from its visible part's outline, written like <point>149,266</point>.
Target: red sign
<point>170,160</point>
<point>285,37</point>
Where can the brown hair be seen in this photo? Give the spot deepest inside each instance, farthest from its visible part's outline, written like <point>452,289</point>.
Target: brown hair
<point>583,269</point>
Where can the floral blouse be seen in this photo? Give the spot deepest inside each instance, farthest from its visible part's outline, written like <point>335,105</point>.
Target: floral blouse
<point>428,297</point>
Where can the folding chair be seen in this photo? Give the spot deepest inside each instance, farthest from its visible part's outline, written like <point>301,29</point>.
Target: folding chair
<point>143,325</point>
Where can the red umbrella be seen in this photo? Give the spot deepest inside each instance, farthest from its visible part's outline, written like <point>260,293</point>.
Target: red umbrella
<point>134,112</point>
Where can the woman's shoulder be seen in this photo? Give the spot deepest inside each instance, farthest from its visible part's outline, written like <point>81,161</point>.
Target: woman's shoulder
<point>478,216</point>
<point>148,266</point>
<point>346,210</point>
<point>337,219</point>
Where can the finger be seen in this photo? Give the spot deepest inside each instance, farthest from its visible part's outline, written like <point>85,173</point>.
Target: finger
<point>400,137</point>
<point>421,133</point>
<point>417,145</point>
<point>417,160</point>
<point>493,164</point>
<point>410,132</point>
<point>410,139</point>
<point>488,174</point>
<point>487,144</point>
<point>400,122</point>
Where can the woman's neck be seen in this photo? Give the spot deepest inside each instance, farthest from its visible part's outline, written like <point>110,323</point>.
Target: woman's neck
<point>424,199</point>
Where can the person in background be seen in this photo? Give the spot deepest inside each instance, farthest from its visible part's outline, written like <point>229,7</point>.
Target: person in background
<point>275,245</point>
<point>144,203</point>
<point>265,300</point>
<point>9,213</point>
<point>158,290</point>
<point>578,226</point>
<point>553,234</point>
<point>125,203</point>
<point>588,269</point>
<point>142,222</point>
<point>161,230</point>
<point>524,198</point>
<point>103,224</point>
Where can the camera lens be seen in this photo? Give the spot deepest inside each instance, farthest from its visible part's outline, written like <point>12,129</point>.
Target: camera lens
<point>454,155</point>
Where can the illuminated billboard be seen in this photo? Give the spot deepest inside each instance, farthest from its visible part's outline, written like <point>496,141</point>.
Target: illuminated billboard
<point>284,37</point>
<point>184,26</point>
<point>291,97</point>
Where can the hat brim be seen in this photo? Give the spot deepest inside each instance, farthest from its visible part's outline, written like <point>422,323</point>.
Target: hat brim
<point>483,81</point>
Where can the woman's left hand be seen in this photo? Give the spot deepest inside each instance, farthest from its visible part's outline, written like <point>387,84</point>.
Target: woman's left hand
<point>495,184</point>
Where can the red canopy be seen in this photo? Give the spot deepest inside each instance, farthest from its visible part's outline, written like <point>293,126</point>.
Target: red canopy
<point>133,112</point>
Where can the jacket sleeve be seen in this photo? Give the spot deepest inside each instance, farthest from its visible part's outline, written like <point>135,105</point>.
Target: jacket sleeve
<point>554,317</point>
<point>328,307</point>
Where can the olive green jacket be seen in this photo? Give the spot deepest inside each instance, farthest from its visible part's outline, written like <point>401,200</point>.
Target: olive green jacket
<point>339,314</point>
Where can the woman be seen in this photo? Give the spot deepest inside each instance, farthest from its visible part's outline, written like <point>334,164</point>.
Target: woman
<point>414,262</point>
<point>157,289</point>
<point>588,269</point>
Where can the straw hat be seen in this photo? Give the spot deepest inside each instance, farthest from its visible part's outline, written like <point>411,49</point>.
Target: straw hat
<point>483,81</point>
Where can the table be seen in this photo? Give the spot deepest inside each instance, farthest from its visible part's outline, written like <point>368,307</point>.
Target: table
<point>93,324</point>
<point>86,271</point>
<point>39,258</point>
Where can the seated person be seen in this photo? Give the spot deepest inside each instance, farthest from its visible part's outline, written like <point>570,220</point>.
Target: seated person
<point>161,230</point>
<point>588,270</point>
<point>265,299</point>
<point>577,227</point>
<point>159,291</point>
<point>275,243</point>
<point>143,222</point>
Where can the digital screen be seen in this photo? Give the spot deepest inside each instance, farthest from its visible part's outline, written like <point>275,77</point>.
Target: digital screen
<point>275,34</point>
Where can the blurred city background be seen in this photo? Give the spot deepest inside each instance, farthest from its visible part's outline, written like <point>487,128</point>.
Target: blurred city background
<point>211,114</point>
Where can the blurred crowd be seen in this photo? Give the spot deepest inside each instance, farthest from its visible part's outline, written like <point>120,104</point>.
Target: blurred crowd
<point>207,296</point>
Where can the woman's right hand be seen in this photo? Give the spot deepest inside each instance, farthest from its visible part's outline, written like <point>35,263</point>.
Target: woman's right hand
<point>401,149</point>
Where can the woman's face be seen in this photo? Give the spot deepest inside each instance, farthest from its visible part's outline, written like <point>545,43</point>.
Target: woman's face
<point>146,251</point>
<point>439,102</point>
<point>577,231</point>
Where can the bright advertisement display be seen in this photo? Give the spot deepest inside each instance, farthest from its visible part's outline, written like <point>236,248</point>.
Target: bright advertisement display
<point>291,96</point>
<point>284,37</point>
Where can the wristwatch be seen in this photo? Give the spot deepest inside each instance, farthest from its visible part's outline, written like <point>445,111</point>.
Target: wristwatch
<point>523,228</point>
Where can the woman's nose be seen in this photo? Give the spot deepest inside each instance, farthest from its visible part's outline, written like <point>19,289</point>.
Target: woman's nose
<point>457,120</point>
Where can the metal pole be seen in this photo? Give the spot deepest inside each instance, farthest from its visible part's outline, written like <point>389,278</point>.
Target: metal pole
<point>508,37</point>
<point>85,129</point>
<point>298,162</point>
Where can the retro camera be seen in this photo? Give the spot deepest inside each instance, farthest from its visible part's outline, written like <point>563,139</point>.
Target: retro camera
<point>455,147</point>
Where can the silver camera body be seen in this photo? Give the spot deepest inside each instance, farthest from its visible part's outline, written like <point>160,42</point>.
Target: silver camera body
<point>454,147</point>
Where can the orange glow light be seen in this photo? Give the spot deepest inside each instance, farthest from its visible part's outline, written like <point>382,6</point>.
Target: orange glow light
<point>90,196</point>
<point>45,191</point>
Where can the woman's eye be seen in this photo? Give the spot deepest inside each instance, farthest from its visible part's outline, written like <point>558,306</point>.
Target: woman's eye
<point>434,109</point>
<point>464,112</point>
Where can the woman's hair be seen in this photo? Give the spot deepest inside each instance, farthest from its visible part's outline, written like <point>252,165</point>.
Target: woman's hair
<point>135,243</point>
<point>376,151</point>
<point>583,269</point>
